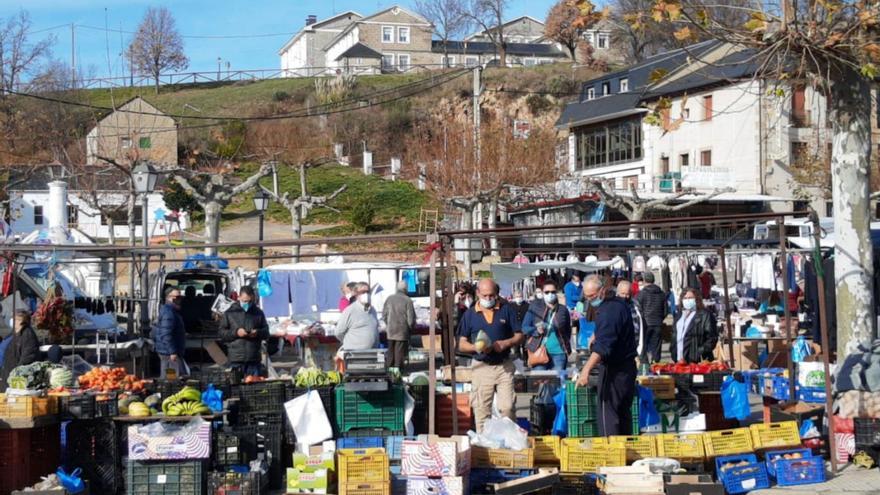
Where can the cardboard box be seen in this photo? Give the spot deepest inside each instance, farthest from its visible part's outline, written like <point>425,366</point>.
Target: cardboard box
<point>448,485</point>
<point>462,374</point>
<point>314,482</point>
<point>315,462</point>
<point>695,422</point>
<point>432,456</point>
<point>164,441</point>
<point>630,480</point>
<point>692,484</point>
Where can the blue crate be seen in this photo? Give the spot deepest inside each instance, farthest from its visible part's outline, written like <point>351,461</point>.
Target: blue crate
<point>480,479</point>
<point>814,395</point>
<point>742,479</point>
<point>793,472</point>
<point>770,458</point>
<point>360,443</point>
<point>781,388</point>
<point>394,447</point>
<point>398,482</point>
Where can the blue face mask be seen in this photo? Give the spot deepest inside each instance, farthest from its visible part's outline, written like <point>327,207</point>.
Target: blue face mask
<point>596,302</point>
<point>245,306</point>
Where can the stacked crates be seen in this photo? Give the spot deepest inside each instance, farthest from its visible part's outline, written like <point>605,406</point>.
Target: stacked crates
<point>261,425</point>
<point>364,472</point>
<point>581,411</point>
<point>370,410</point>
<point>169,478</point>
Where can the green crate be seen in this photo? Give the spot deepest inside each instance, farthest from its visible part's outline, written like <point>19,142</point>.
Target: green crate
<point>580,403</point>
<point>370,409</point>
<point>582,429</point>
<point>165,478</point>
<point>635,415</point>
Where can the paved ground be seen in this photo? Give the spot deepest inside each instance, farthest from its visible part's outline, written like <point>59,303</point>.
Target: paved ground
<point>851,480</point>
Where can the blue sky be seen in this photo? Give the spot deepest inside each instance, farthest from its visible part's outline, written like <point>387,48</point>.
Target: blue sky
<point>196,18</point>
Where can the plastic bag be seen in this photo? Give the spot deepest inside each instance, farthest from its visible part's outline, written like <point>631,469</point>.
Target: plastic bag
<point>560,424</point>
<point>72,483</point>
<point>264,283</point>
<point>648,415</point>
<point>800,349</point>
<point>308,418</point>
<point>659,465</point>
<point>213,398</point>
<point>586,329</point>
<point>735,399</point>
<point>501,433</point>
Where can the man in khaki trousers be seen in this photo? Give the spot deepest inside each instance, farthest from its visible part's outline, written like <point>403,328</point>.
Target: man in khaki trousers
<point>493,367</point>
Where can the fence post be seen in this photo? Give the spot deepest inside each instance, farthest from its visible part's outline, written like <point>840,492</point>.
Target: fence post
<point>395,168</point>
<point>368,162</point>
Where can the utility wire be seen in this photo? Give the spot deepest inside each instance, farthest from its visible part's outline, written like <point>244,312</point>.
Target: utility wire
<point>195,36</point>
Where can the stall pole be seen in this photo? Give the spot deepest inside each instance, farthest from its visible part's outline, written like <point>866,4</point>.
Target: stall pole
<point>727,308</point>
<point>448,329</point>
<point>826,344</point>
<point>432,345</point>
<point>792,379</point>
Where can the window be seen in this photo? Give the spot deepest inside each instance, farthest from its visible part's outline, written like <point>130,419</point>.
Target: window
<point>686,113</point>
<point>387,62</point>
<point>447,61</point>
<point>603,41</point>
<point>684,160</point>
<point>606,88</point>
<point>589,38</point>
<point>529,62</point>
<point>125,143</point>
<point>664,165</point>
<point>120,216</point>
<point>387,34</point>
<point>799,153</point>
<point>624,85</point>
<point>403,62</point>
<point>403,35</point>
<point>608,143</point>
<point>144,143</point>
<point>706,158</point>
<point>799,115</point>
<point>72,214</point>
<point>38,215</point>
<point>591,93</point>
<point>471,61</point>
<point>707,108</point>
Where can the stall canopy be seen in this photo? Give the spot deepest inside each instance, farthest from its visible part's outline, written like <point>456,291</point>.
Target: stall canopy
<point>508,273</point>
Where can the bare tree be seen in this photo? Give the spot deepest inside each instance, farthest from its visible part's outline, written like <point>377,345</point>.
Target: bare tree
<point>448,18</point>
<point>100,190</point>
<point>489,16</point>
<point>157,46</point>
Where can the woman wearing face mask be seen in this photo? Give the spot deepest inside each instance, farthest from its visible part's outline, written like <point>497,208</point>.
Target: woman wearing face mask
<point>358,325</point>
<point>695,330</point>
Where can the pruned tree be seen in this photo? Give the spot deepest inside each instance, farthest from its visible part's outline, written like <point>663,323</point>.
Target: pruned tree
<point>566,23</point>
<point>488,15</point>
<point>834,46</point>
<point>448,18</point>
<point>96,194</point>
<point>157,46</point>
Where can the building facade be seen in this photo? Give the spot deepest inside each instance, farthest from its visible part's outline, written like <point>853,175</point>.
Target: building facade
<point>135,131</point>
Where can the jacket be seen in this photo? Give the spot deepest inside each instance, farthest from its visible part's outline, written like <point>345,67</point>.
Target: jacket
<point>358,328</point>
<point>572,294</point>
<point>521,310</point>
<point>244,349</point>
<point>700,338</point>
<point>169,334</point>
<point>652,303</point>
<point>614,339</point>
<point>23,349</point>
<point>561,322</point>
<point>399,316</point>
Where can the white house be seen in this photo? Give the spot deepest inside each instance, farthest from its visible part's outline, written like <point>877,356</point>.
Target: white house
<point>305,53</point>
<point>30,199</point>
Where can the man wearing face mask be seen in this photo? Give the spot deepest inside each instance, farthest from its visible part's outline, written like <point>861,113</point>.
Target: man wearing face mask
<point>519,305</point>
<point>244,328</point>
<point>552,321</point>
<point>624,291</point>
<point>488,331</point>
<point>358,326</point>
<point>613,354</point>
<point>169,335</point>
<point>573,291</point>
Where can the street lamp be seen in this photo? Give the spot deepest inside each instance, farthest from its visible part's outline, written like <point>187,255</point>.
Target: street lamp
<point>144,177</point>
<point>261,202</point>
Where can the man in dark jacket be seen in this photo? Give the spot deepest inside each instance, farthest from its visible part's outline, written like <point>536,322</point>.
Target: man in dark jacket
<point>23,347</point>
<point>244,328</point>
<point>652,303</point>
<point>613,353</point>
<point>399,316</point>
<point>546,317</point>
<point>169,335</point>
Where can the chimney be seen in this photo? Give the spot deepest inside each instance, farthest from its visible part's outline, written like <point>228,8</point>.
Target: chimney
<point>57,214</point>
<point>311,19</point>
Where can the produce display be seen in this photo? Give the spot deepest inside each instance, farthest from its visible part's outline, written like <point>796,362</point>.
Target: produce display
<point>187,402</point>
<point>34,376</point>
<point>683,368</point>
<point>730,465</point>
<point>254,379</point>
<point>111,380</point>
<point>314,377</point>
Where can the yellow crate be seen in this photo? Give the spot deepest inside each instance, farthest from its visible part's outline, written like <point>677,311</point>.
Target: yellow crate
<point>637,447</point>
<point>775,435</point>
<point>26,406</point>
<point>580,455</point>
<point>662,386</point>
<point>546,450</point>
<point>686,447</point>
<point>484,458</point>
<point>365,488</point>
<point>728,442</point>
<point>362,465</point>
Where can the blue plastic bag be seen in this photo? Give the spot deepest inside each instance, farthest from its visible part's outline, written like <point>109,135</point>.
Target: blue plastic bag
<point>648,415</point>
<point>735,399</point>
<point>800,350</point>
<point>213,398</point>
<point>72,483</point>
<point>586,329</point>
<point>560,424</point>
<point>264,283</point>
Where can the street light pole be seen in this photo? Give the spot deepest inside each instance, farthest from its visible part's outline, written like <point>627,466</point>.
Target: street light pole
<point>261,202</point>
<point>260,264</point>
<point>144,177</point>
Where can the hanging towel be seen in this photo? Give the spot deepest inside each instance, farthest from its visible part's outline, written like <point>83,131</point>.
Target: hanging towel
<point>277,304</point>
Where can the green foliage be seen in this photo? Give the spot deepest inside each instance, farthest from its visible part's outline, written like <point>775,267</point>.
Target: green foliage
<point>280,96</point>
<point>231,140</point>
<point>538,104</point>
<point>177,199</point>
<point>363,214</point>
<point>563,85</point>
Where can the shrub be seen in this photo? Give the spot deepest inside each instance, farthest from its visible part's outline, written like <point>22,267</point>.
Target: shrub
<point>280,96</point>
<point>363,213</point>
<point>538,104</point>
<point>562,85</point>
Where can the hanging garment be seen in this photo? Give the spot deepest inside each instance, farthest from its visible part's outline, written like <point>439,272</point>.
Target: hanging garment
<point>277,304</point>
<point>677,276</point>
<point>790,274</point>
<point>638,264</point>
<point>763,272</point>
<point>658,267</point>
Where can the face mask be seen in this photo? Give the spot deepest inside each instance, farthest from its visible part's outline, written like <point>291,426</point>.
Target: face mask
<point>467,303</point>
<point>245,306</point>
<point>364,299</point>
<point>517,300</point>
<point>539,296</point>
<point>577,284</point>
<point>487,303</point>
<point>596,302</point>
<point>689,304</point>
<point>549,297</point>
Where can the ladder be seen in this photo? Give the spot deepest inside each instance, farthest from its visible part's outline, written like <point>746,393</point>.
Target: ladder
<point>429,221</point>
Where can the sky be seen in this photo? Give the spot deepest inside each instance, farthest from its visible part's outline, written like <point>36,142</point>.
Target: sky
<point>98,51</point>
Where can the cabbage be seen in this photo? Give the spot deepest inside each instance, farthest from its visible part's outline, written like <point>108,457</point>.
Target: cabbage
<point>60,377</point>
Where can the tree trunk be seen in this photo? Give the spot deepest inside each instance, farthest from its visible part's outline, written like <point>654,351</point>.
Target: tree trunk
<point>502,55</point>
<point>850,178</point>
<point>157,83</point>
<point>467,219</point>
<point>212,225</point>
<point>493,222</point>
<point>296,224</point>
<point>132,197</point>
<point>112,230</point>
<point>638,214</point>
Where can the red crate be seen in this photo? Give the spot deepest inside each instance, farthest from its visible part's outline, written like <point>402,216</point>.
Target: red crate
<point>26,455</point>
<point>443,414</point>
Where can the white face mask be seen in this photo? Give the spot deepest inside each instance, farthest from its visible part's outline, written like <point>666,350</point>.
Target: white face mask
<point>689,304</point>
<point>467,302</point>
<point>364,299</point>
<point>487,303</point>
<point>539,296</point>
<point>517,300</point>
<point>549,297</point>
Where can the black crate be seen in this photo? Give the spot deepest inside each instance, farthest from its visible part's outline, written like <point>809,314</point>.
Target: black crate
<point>867,431</point>
<point>91,445</point>
<point>576,484</point>
<point>77,406</point>
<point>222,378</point>
<point>532,383</point>
<point>227,449</point>
<point>541,417</point>
<point>873,452</point>
<point>107,408</point>
<point>165,478</point>
<point>372,432</point>
<point>263,440</point>
<point>167,388</point>
<point>259,398</point>
<point>230,483</point>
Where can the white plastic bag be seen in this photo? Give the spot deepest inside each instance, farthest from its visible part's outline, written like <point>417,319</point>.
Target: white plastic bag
<point>308,419</point>
<point>501,433</point>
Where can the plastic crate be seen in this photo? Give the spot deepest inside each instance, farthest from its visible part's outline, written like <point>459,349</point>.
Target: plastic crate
<point>481,480</point>
<point>775,435</point>
<point>328,399</point>
<point>362,465</point>
<point>482,457</point>
<point>221,377</point>
<point>167,388</point>
<point>546,450</point>
<point>108,408</point>
<point>26,455</point>
<point>683,447</point>
<point>260,397</point>
<point>364,488</point>
<point>394,447</point>
<point>770,458</point>
<point>576,484</point>
<point>370,409</point>
<point>728,442</point>
<point>637,447</point>
<point>165,478</point>
<point>360,443</point>
<point>227,449</point>
<point>262,440</point>
<point>586,456</point>
<point>867,431</point>
<point>444,408</point>
<point>91,445</point>
<point>742,479</point>
<point>233,483</point>
<point>792,472</point>
<point>541,417</point>
<point>371,432</point>
<point>710,405</point>
<point>580,403</point>
<point>77,406</point>
<point>812,395</point>
<point>583,429</point>
<point>26,406</point>
<point>635,416</point>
